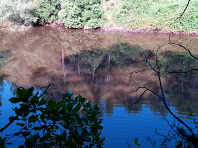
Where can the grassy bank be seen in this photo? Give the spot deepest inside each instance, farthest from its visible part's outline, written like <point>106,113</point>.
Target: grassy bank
<point>129,14</point>
<point>153,15</point>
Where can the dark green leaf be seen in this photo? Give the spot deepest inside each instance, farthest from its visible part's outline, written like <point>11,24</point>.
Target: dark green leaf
<point>32,118</point>
<point>14,100</point>
<point>51,104</point>
<point>12,118</point>
<point>42,102</point>
<point>69,106</point>
<point>20,124</point>
<point>76,107</point>
<point>35,99</point>
<point>136,141</point>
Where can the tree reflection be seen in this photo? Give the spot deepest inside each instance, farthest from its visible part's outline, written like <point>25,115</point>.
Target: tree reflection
<point>4,55</point>
<point>95,64</point>
<point>182,90</point>
<point>1,89</point>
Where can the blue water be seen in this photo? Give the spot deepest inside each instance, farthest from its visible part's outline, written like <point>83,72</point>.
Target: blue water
<point>121,127</point>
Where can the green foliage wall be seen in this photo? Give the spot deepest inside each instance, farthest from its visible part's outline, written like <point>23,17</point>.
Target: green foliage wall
<point>81,13</point>
<point>17,12</point>
<point>47,10</point>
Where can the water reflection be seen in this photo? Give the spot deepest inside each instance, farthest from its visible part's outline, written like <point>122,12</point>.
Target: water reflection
<point>182,89</point>
<point>3,57</point>
<point>103,67</point>
<point>98,65</point>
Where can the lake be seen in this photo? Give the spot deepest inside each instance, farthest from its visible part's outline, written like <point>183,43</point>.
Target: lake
<point>105,68</point>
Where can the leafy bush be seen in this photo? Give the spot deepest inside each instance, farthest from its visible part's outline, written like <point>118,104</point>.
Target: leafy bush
<point>80,13</point>
<point>17,12</point>
<point>70,122</point>
<point>47,10</point>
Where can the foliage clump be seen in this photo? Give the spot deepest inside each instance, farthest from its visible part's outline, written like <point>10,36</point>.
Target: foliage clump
<point>70,122</point>
<point>17,13</point>
<point>81,13</point>
<point>47,10</point>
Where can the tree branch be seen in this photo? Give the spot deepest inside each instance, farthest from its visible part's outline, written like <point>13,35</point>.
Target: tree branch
<point>183,11</point>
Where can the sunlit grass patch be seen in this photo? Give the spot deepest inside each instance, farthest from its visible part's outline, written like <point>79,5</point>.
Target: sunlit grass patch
<point>150,14</point>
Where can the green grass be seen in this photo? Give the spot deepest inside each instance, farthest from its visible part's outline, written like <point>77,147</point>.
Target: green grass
<point>154,14</point>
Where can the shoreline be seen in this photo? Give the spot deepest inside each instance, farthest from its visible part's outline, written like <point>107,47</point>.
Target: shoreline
<point>108,29</point>
<point>148,31</point>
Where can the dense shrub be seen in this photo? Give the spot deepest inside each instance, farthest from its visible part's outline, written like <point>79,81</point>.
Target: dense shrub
<point>70,122</point>
<point>17,12</point>
<point>81,13</point>
<point>47,10</point>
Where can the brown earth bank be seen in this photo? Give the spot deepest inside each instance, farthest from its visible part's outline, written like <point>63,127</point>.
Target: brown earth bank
<point>148,31</point>
<point>109,29</point>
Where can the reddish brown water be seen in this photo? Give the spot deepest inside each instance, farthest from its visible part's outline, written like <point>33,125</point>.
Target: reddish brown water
<point>98,65</point>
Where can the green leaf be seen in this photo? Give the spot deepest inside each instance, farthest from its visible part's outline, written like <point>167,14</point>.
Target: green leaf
<point>76,107</point>
<point>34,99</point>
<point>29,92</point>
<point>51,104</point>
<point>24,94</point>
<point>42,102</point>
<point>81,99</point>
<point>95,106</point>
<point>136,140</point>
<point>179,144</point>
<point>14,100</point>
<point>67,95</point>
<point>12,118</point>
<point>32,118</point>
<point>69,106</point>
<point>97,126</point>
<point>20,124</point>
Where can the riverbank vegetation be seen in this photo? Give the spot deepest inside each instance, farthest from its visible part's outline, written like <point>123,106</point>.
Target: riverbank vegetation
<point>153,15</point>
<point>68,122</point>
<point>130,14</point>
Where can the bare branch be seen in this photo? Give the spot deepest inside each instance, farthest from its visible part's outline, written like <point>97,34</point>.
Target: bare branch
<point>138,98</point>
<point>183,48</point>
<point>180,72</point>
<point>162,93</point>
<point>7,125</point>
<point>147,61</point>
<point>183,11</point>
<point>148,89</point>
<point>136,72</point>
<point>156,58</point>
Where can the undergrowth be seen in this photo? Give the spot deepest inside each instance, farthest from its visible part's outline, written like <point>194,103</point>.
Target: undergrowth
<point>154,14</point>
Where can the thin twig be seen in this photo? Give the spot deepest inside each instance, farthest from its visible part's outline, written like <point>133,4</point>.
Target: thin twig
<point>183,48</point>
<point>136,73</point>
<point>162,92</point>
<point>181,72</point>
<point>183,11</point>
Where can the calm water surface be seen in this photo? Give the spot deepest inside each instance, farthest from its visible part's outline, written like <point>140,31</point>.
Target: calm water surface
<point>104,67</point>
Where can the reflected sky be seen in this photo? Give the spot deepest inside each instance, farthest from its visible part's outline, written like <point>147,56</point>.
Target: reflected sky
<point>121,127</point>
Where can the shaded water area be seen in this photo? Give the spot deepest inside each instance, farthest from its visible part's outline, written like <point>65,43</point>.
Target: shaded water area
<point>104,67</point>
